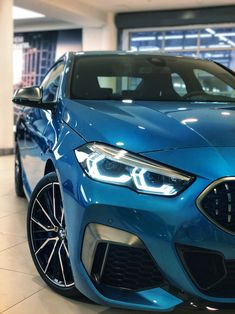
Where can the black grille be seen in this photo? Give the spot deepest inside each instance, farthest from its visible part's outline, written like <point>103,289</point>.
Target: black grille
<point>219,205</point>
<point>211,273</point>
<point>127,267</point>
<point>227,286</point>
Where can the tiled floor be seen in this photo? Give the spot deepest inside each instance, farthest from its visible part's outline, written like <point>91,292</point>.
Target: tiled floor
<point>21,289</point>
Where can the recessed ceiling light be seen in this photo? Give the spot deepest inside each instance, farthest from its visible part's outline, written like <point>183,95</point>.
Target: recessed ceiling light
<point>21,14</point>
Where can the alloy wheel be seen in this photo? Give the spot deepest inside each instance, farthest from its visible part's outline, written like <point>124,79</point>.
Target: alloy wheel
<point>48,236</point>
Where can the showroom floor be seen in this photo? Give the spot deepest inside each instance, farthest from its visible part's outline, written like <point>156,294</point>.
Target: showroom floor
<point>21,289</point>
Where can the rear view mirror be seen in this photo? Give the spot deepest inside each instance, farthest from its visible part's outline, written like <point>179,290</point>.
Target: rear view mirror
<point>31,97</point>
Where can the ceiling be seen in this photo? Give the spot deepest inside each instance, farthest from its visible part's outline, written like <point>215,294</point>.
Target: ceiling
<point>93,13</point>
<point>144,5</point>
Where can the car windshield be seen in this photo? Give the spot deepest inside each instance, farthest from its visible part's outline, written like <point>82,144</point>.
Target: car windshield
<point>150,77</point>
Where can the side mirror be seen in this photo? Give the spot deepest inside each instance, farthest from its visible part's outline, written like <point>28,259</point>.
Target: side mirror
<point>31,97</point>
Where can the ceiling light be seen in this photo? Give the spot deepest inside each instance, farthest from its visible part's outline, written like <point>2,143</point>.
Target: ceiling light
<point>211,31</point>
<point>143,38</point>
<point>174,48</point>
<point>219,46</point>
<point>22,14</point>
<point>230,42</point>
<point>196,35</point>
<point>225,34</point>
<point>170,37</point>
<point>149,48</point>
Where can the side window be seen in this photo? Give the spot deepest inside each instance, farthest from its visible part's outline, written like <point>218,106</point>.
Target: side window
<point>51,83</point>
<point>212,84</point>
<point>178,84</point>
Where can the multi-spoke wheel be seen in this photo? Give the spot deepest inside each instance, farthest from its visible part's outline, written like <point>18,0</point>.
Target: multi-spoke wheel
<point>18,174</point>
<point>47,236</point>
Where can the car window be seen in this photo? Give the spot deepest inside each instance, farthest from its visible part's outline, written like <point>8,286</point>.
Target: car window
<point>51,83</point>
<point>211,84</point>
<point>178,84</point>
<point>150,77</point>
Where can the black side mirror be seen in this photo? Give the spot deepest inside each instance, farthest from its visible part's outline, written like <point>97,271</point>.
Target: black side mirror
<point>31,97</point>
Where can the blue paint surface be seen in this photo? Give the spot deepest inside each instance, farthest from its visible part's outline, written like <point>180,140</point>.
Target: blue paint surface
<point>195,137</point>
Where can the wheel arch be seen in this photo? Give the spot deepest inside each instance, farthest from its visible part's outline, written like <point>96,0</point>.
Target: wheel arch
<point>49,167</point>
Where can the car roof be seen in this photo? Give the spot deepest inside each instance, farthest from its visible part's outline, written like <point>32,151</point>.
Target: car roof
<point>81,54</point>
<point>132,53</point>
<point>124,53</point>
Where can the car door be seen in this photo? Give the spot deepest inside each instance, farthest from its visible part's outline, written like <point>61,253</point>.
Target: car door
<point>35,124</point>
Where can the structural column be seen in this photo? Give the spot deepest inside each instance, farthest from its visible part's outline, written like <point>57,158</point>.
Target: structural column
<point>6,81</point>
<point>100,38</point>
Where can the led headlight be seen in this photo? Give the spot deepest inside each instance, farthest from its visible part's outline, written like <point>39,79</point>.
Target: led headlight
<point>116,166</point>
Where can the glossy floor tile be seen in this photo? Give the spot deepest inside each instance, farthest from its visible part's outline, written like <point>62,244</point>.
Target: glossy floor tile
<point>21,289</point>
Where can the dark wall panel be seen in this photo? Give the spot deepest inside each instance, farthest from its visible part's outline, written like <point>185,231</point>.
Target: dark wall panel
<point>212,15</point>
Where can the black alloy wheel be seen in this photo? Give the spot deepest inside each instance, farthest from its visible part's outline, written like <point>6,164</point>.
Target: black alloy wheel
<point>47,237</point>
<point>18,175</point>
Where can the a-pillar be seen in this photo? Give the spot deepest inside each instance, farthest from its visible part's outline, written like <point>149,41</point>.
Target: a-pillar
<point>100,38</point>
<point>6,108</point>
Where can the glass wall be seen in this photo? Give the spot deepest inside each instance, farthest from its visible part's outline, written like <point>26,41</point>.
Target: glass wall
<point>215,43</point>
<point>35,52</point>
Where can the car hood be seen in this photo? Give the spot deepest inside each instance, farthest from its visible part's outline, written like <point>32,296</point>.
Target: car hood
<point>142,126</point>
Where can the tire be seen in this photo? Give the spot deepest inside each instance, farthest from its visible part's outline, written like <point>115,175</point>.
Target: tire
<point>47,237</point>
<point>18,175</point>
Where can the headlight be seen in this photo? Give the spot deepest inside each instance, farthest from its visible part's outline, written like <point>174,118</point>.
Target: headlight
<point>116,166</point>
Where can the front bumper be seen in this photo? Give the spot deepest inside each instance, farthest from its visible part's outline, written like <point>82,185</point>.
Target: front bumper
<point>160,223</point>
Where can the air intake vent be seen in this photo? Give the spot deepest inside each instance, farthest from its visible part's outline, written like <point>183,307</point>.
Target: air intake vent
<point>209,270</point>
<point>217,202</point>
<point>125,267</point>
<point>206,268</point>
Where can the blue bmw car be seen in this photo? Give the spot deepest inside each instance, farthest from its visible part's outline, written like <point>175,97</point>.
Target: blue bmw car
<point>128,163</point>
